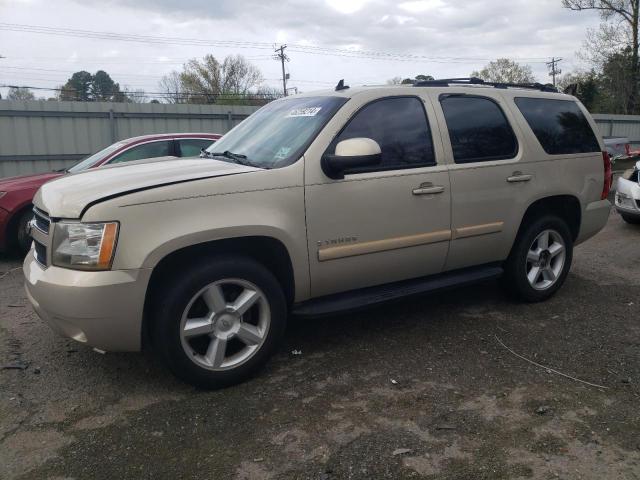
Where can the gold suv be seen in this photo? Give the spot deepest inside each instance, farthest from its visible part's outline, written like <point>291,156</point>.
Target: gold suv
<point>318,203</point>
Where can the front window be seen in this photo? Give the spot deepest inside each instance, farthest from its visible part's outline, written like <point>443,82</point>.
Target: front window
<point>96,158</point>
<point>277,134</point>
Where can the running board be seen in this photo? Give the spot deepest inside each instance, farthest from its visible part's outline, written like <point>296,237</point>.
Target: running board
<point>364,297</point>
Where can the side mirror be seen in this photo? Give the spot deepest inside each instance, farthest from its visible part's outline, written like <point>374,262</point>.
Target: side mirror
<point>351,156</point>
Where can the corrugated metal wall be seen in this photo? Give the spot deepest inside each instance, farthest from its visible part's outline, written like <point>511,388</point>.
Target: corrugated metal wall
<point>40,136</point>
<point>619,125</point>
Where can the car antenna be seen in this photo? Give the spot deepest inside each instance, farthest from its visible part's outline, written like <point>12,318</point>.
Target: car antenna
<point>341,86</point>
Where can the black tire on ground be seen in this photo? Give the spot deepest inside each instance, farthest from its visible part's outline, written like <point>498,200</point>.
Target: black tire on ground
<point>515,268</point>
<point>174,297</point>
<point>630,219</point>
<point>22,239</point>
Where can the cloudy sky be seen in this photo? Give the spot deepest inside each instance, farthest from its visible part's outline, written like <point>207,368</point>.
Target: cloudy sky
<point>362,41</point>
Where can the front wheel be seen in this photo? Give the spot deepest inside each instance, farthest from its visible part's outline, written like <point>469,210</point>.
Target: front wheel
<point>540,260</point>
<point>219,321</point>
<point>22,236</point>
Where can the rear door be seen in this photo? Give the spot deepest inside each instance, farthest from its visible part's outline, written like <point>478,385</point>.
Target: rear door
<point>489,183</point>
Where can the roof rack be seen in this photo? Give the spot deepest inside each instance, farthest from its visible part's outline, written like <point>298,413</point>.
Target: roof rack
<point>445,82</point>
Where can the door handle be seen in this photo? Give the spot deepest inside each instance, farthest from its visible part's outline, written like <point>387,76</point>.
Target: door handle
<point>519,177</point>
<point>428,189</point>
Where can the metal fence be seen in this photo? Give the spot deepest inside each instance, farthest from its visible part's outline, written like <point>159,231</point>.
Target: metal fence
<point>619,126</point>
<point>40,136</point>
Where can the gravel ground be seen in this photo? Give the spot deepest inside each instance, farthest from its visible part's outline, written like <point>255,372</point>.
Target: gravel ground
<point>423,388</point>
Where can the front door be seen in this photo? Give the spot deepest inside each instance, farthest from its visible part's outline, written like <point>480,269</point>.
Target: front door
<point>387,223</point>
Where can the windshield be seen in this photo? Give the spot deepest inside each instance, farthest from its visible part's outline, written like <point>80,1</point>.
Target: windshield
<point>96,157</point>
<point>277,134</point>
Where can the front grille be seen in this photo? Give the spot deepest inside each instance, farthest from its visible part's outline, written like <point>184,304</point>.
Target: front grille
<point>40,253</point>
<point>41,221</point>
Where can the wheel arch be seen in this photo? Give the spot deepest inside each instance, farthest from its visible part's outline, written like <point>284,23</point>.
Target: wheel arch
<point>567,207</point>
<point>268,251</point>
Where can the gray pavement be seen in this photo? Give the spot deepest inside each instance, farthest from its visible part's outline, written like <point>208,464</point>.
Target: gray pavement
<point>423,388</point>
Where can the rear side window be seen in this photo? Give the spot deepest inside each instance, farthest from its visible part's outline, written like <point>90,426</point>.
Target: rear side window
<point>559,125</point>
<point>478,129</point>
<point>400,127</point>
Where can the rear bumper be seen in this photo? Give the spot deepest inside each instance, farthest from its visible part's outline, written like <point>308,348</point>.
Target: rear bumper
<point>627,199</point>
<point>101,309</point>
<point>594,218</point>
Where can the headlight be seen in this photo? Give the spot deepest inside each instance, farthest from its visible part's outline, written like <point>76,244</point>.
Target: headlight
<point>84,246</point>
<point>2,194</point>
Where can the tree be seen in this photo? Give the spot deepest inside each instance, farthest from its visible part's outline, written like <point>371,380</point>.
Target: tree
<point>504,70</point>
<point>171,88</point>
<point>408,81</point>
<point>619,84</point>
<point>625,14</point>
<point>20,93</point>
<point>78,87</point>
<point>104,89</point>
<point>588,88</point>
<point>203,81</point>
<point>82,86</point>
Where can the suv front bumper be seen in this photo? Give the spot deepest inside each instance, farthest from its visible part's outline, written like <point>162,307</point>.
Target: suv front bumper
<point>102,309</point>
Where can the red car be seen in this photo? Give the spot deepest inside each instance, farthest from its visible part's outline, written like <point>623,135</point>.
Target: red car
<point>16,193</point>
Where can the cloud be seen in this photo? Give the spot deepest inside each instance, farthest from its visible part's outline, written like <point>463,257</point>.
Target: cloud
<point>457,37</point>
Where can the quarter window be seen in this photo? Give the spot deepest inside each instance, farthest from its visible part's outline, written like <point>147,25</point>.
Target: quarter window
<point>559,125</point>
<point>400,127</point>
<point>147,150</point>
<point>478,129</point>
<point>191,147</point>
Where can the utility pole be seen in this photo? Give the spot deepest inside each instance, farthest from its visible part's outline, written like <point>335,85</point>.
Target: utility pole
<point>553,71</point>
<point>280,55</point>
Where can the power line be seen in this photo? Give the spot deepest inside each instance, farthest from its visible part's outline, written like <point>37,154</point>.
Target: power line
<point>299,48</point>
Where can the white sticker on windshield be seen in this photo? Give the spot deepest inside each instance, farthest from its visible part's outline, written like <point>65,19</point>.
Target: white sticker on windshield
<point>304,112</point>
<point>282,153</point>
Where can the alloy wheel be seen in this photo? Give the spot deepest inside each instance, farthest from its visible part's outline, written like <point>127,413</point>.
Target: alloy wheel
<point>545,259</point>
<point>225,324</point>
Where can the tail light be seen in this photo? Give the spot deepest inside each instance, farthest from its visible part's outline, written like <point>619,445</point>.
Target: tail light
<point>608,176</point>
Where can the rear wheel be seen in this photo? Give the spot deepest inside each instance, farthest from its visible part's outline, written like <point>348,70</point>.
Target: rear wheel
<point>220,321</point>
<point>634,220</point>
<point>540,260</point>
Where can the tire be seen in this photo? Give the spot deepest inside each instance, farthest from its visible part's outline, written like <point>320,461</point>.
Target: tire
<point>633,220</point>
<point>553,266</point>
<point>22,239</point>
<point>196,319</point>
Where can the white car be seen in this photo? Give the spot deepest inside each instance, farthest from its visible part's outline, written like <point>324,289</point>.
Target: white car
<point>628,196</point>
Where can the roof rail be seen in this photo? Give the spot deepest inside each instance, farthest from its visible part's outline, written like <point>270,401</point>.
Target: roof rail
<point>445,82</point>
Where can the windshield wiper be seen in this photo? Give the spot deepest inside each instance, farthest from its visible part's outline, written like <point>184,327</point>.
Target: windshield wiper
<point>234,157</point>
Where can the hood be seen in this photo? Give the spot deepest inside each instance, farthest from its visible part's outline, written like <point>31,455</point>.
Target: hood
<point>11,184</point>
<point>70,195</point>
